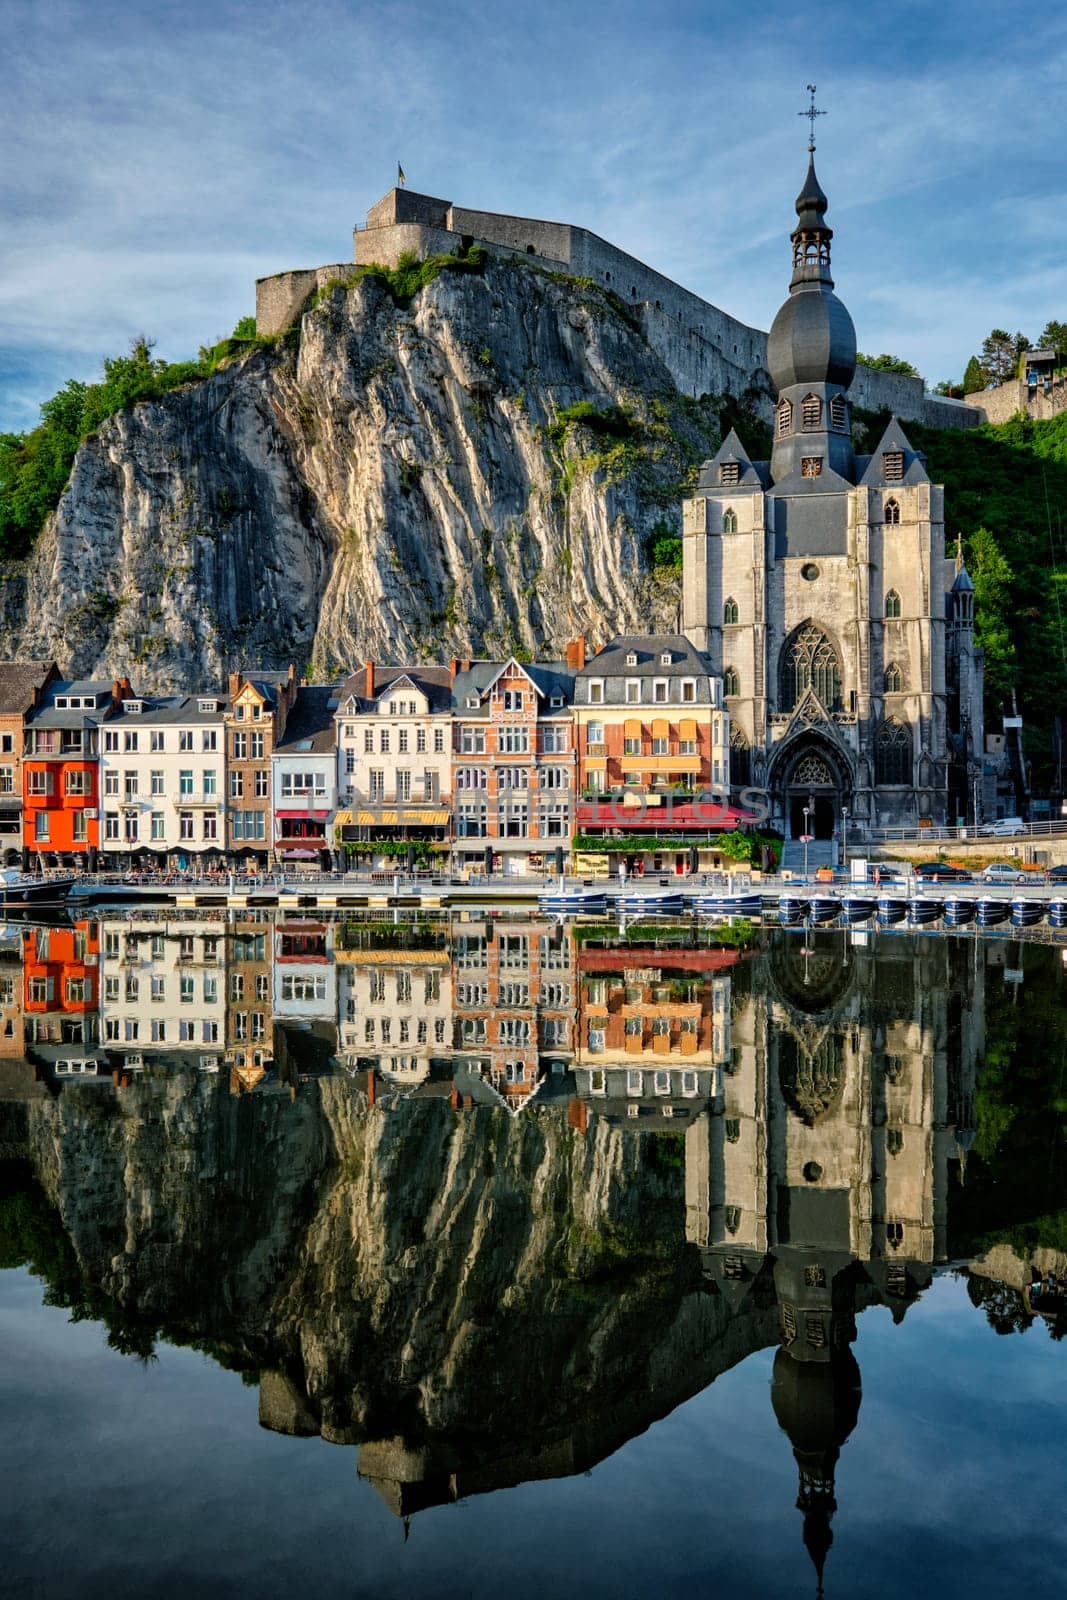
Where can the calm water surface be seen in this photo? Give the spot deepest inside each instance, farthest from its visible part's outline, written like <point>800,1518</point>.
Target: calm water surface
<point>481,1256</point>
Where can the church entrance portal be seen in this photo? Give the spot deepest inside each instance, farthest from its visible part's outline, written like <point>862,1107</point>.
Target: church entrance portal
<point>812,783</point>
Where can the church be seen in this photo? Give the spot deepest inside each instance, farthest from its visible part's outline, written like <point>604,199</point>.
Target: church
<point>817,584</point>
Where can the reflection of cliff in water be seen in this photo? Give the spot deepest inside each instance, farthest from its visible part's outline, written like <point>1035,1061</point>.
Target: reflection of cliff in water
<point>476,1298</point>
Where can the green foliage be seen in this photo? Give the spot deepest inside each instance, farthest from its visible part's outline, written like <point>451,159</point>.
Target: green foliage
<point>410,275</point>
<point>612,422</point>
<point>35,466</point>
<point>1054,337</point>
<point>1000,355</point>
<point>1010,480</point>
<point>884,363</point>
<point>974,377</point>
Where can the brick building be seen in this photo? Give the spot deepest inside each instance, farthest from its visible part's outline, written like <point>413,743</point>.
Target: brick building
<point>259,708</point>
<point>513,997</point>
<point>514,769</point>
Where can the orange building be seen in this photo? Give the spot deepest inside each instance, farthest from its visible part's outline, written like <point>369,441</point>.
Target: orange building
<point>513,994</point>
<point>22,685</point>
<point>61,983</point>
<point>61,770</point>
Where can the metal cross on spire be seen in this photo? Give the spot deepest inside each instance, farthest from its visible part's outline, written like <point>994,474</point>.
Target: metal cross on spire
<point>811,114</point>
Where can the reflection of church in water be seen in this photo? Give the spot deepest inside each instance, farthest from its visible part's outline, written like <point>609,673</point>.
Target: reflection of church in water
<point>822,1187</point>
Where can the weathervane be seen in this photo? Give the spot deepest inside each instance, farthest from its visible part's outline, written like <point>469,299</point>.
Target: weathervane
<point>811,114</point>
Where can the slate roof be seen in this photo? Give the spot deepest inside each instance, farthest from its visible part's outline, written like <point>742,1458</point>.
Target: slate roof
<point>18,681</point>
<point>894,438</point>
<point>753,474</point>
<point>610,662</point>
<point>310,726</point>
<point>52,716</point>
<point>173,709</point>
<point>551,678</point>
<point>434,682</point>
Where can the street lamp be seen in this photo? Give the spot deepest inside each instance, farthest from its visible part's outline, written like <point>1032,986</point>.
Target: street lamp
<point>844,837</point>
<point>807,834</point>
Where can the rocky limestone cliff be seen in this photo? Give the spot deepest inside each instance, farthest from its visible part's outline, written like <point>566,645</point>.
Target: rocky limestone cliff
<point>396,483</point>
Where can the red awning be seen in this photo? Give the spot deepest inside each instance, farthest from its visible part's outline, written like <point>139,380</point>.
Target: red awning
<point>669,817</point>
<point>306,816</point>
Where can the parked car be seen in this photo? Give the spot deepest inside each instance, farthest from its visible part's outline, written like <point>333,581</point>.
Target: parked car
<point>1057,874</point>
<point>1005,828</point>
<point>941,872</point>
<point>999,873</point>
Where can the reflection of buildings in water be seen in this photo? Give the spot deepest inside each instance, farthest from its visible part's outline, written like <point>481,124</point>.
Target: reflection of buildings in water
<point>513,992</point>
<point>828,1166</point>
<point>61,994</point>
<point>249,1036</point>
<point>12,1026</point>
<point>654,1033</point>
<point>395,1012</point>
<point>163,990</point>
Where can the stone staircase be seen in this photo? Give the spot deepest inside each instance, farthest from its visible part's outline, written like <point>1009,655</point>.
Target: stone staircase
<point>820,854</point>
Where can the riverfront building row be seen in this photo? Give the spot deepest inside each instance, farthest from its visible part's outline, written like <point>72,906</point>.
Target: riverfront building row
<point>503,764</point>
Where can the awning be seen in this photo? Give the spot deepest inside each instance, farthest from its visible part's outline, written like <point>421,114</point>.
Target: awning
<point>687,728</point>
<point>400,819</point>
<point>632,728</point>
<point>661,728</point>
<point>343,819</point>
<point>305,815</point>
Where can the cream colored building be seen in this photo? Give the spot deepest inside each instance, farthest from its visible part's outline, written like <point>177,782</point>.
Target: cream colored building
<point>163,990</point>
<point>163,779</point>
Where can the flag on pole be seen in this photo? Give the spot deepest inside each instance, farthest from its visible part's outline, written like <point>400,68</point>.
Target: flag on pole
<point>401,176</point>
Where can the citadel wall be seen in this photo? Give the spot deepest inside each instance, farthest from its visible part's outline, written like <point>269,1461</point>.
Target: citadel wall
<point>1000,404</point>
<point>705,350</point>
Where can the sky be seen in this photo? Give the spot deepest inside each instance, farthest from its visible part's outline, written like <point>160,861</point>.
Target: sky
<point>161,157</point>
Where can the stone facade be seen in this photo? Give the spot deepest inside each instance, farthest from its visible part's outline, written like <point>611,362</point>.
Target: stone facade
<point>818,586</point>
<point>705,350</point>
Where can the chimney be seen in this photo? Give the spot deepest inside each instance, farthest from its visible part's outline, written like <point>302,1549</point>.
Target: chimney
<point>235,684</point>
<point>576,653</point>
<point>292,672</point>
<point>127,687</point>
<point>369,690</point>
<point>453,668</point>
<point>116,693</point>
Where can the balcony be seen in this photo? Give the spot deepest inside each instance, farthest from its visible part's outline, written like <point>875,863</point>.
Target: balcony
<point>639,812</point>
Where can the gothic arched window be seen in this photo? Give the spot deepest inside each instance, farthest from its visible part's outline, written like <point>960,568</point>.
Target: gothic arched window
<point>729,521</point>
<point>729,611</point>
<point>810,411</point>
<point>892,513</point>
<point>892,604</point>
<point>809,660</point>
<point>784,417</point>
<point>839,412</point>
<point>740,758</point>
<point>894,680</point>
<point>892,756</point>
<point>731,683</point>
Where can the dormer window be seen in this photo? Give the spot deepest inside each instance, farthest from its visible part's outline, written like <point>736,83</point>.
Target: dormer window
<point>730,472</point>
<point>207,705</point>
<point>839,412</point>
<point>729,521</point>
<point>556,701</point>
<point>134,707</point>
<point>472,702</point>
<point>665,658</point>
<point>810,412</point>
<point>631,658</point>
<point>784,418</point>
<point>811,466</point>
<point>892,465</point>
<point>596,691</point>
<point>892,513</point>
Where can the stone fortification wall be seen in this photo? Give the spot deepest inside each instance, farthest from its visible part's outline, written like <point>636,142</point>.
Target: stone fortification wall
<point>1002,402</point>
<point>279,297</point>
<point>706,350</point>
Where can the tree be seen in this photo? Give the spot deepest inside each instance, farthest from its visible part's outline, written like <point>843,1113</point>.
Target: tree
<point>886,363</point>
<point>951,390</point>
<point>974,377</point>
<point>993,613</point>
<point>1054,337</point>
<point>1000,355</point>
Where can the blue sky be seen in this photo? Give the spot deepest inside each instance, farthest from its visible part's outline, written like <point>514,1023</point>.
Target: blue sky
<point>161,157</point>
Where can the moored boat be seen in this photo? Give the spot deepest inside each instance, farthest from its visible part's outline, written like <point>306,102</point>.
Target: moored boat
<point>922,911</point>
<point>991,913</point>
<point>791,908</point>
<point>728,905</point>
<point>958,912</point>
<point>1027,913</point>
<point>1057,914</point>
<point>18,889</point>
<point>573,901</point>
<point>823,908</point>
<point>859,907</point>
<point>891,910</point>
<point>658,903</point>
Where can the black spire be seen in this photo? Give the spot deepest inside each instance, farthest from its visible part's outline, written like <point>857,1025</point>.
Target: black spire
<point>812,235</point>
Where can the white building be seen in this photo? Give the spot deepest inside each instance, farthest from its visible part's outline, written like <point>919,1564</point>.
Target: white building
<point>305,977</point>
<point>304,778</point>
<point>395,1012</point>
<point>163,990</point>
<point>394,755</point>
<point>163,779</point>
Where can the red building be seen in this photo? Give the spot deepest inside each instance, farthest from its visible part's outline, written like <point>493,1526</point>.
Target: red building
<point>61,771</point>
<point>61,984</point>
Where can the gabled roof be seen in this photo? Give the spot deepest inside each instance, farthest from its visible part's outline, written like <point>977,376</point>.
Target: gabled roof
<point>895,439</point>
<point>434,682</point>
<point>732,450</point>
<point>19,681</point>
<point>549,679</point>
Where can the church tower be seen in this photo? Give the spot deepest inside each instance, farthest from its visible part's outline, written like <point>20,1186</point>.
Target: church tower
<point>817,584</point>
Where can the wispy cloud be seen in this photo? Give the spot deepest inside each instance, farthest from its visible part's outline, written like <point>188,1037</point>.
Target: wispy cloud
<point>158,160</point>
